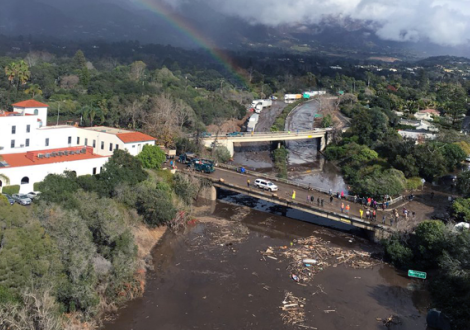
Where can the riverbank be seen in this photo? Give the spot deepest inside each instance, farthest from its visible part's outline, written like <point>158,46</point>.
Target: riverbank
<point>214,276</point>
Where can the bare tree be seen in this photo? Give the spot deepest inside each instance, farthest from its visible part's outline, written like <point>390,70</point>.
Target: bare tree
<point>137,70</point>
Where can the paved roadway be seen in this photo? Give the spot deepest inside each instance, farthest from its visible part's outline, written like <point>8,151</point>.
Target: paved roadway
<point>286,191</point>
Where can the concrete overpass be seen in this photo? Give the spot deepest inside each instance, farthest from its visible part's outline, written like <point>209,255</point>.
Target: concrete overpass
<point>236,182</point>
<point>244,137</point>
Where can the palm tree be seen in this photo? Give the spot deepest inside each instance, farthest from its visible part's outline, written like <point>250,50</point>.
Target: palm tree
<point>33,89</point>
<point>90,112</point>
<point>11,71</point>
<point>23,74</point>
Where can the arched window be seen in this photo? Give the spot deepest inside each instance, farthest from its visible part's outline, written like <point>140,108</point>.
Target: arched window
<point>36,112</point>
<point>1,183</point>
<point>25,180</point>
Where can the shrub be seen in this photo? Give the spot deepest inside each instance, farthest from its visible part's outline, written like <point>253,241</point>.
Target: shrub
<point>413,183</point>
<point>461,209</point>
<point>10,190</point>
<point>221,154</point>
<point>152,157</point>
<point>398,253</point>
<point>280,161</point>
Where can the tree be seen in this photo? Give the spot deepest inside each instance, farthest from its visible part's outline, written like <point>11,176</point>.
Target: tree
<point>23,74</point>
<point>58,188</point>
<point>221,154</point>
<point>79,60</point>
<point>453,100</point>
<point>152,157</point>
<point>121,168</point>
<point>155,206</point>
<point>33,89</point>
<point>137,70</point>
<point>461,209</point>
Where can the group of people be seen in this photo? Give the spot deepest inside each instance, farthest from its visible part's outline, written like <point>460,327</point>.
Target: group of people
<point>311,200</point>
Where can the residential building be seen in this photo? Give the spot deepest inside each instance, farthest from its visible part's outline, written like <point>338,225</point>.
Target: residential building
<point>427,114</point>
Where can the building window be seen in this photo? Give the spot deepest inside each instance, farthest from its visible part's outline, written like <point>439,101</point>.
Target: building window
<point>94,170</point>
<point>133,146</point>
<point>12,143</point>
<point>13,130</point>
<point>28,128</point>
<point>102,145</point>
<point>27,143</point>
<point>110,147</point>
<point>86,142</point>
<point>94,143</point>
<point>47,142</point>
<point>117,146</point>
<point>25,180</point>
<point>36,112</point>
<point>78,140</point>
<point>69,140</point>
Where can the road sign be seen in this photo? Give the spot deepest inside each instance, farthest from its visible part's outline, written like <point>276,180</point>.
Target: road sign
<point>417,274</point>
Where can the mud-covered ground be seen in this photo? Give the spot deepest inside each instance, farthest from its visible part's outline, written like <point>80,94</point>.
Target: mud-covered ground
<point>217,276</point>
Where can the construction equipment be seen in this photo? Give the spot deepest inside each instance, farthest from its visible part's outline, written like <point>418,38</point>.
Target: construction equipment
<point>202,165</point>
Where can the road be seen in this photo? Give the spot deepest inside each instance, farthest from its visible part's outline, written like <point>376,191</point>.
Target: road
<point>268,116</point>
<point>286,191</point>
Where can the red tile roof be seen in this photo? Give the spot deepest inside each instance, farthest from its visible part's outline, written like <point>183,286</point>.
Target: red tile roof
<point>134,137</point>
<point>30,158</point>
<point>433,111</point>
<point>30,104</point>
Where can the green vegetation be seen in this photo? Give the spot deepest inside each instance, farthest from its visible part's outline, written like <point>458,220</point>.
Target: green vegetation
<point>74,251</point>
<point>151,157</point>
<point>280,161</point>
<point>221,154</point>
<point>10,190</point>
<point>443,252</point>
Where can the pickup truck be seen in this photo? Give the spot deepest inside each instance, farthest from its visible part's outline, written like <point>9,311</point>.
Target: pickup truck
<point>21,199</point>
<point>234,134</point>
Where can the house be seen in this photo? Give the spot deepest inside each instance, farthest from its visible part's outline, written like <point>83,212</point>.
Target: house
<point>420,125</point>
<point>427,114</point>
<point>418,136</point>
<point>30,150</point>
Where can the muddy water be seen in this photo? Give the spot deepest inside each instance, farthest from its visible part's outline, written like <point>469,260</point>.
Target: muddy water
<point>214,277</point>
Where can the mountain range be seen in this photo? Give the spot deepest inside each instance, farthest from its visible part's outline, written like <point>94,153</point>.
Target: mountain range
<point>127,20</point>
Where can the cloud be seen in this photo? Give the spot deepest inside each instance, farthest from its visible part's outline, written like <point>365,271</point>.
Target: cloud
<point>444,22</point>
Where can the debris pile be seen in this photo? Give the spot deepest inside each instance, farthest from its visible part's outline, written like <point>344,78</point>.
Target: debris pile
<point>308,256</point>
<point>293,312</point>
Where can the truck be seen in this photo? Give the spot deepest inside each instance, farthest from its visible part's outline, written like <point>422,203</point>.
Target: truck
<point>169,152</point>
<point>309,94</point>
<point>187,157</point>
<point>202,165</point>
<point>252,123</point>
<point>259,105</point>
<point>289,98</point>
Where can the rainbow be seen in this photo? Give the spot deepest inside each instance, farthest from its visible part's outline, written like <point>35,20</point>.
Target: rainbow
<point>198,38</point>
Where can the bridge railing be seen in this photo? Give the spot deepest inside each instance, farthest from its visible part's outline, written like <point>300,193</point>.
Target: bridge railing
<point>248,134</point>
<point>305,186</point>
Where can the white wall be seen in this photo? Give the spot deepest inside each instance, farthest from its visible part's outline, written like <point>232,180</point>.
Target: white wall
<point>37,173</point>
<point>101,139</point>
<point>20,136</point>
<point>40,112</point>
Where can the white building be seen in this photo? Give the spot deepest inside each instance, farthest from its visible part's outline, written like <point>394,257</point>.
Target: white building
<point>30,150</point>
<point>427,114</point>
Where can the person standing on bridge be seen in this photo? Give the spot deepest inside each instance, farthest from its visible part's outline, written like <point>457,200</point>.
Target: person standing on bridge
<point>331,199</point>
<point>312,199</point>
<point>248,183</point>
<point>347,209</point>
<point>321,202</point>
<point>318,201</point>
<point>342,207</point>
<point>361,212</point>
<point>293,195</point>
<point>308,198</point>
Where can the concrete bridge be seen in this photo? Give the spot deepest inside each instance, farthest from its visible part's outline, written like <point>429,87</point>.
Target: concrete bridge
<point>228,141</point>
<point>236,182</point>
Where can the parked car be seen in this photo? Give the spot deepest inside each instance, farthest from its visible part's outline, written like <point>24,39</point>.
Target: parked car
<point>234,134</point>
<point>205,134</point>
<point>266,185</point>
<point>10,199</point>
<point>33,194</point>
<point>21,199</point>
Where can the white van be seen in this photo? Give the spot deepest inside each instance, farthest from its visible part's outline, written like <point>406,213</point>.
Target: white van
<point>266,185</point>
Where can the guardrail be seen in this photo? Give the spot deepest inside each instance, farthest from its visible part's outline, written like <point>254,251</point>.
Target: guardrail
<point>247,134</point>
<point>273,178</point>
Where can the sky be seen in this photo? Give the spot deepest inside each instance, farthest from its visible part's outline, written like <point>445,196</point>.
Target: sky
<point>444,22</point>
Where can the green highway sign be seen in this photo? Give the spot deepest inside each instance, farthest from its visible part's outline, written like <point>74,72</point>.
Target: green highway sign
<point>415,273</point>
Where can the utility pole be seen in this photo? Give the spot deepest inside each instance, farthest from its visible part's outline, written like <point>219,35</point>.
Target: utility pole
<point>58,113</point>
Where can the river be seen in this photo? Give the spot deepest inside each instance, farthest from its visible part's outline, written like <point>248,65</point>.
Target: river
<point>214,277</point>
